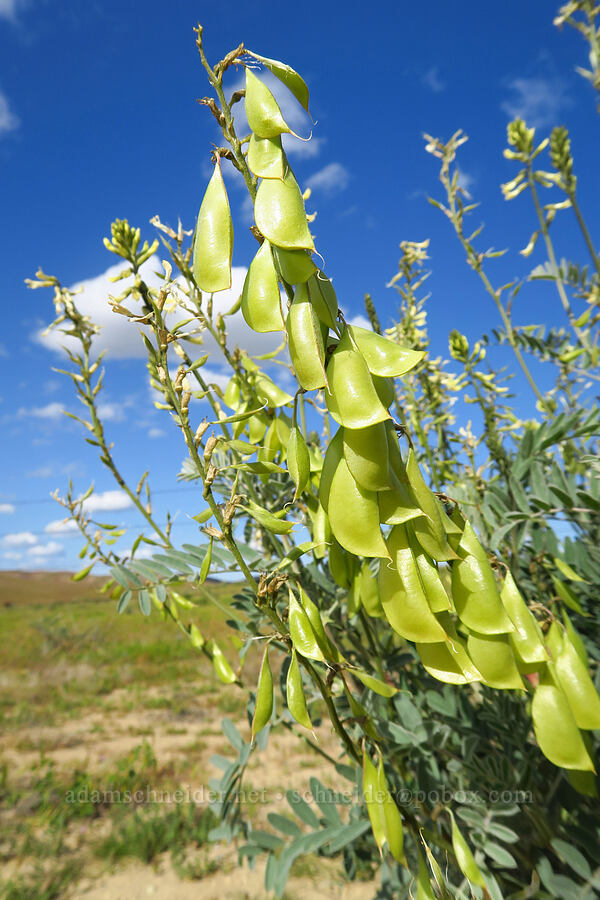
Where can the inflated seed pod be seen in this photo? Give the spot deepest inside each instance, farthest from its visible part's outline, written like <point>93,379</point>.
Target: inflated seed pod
<point>301,631</point>
<point>265,157</point>
<point>305,341</point>
<point>263,708</point>
<point>429,529</point>
<point>314,617</point>
<point>279,213</point>
<point>373,800</point>
<point>213,239</point>
<point>448,662</point>
<point>493,656</point>
<point>384,357</point>
<point>298,460</point>
<point>424,889</point>
<point>262,110</point>
<point>573,676</point>
<point>296,700</point>
<point>295,266</point>
<point>222,668</point>
<point>433,586</point>
<point>341,565</point>
<point>368,590</point>
<point>526,640</point>
<point>474,589</point>
<point>464,857</point>
<point>321,529</point>
<point>394,833</point>
<point>575,638</point>
<point>402,594</point>
<point>323,298</point>
<point>351,398</point>
<point>354,515</point>
<point>385,389</point>
<point>555,727</point>
<point>261,300</point>
<point>333,455</point>
<point>366,453</point>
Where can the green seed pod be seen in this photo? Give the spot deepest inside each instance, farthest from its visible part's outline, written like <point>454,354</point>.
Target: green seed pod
<point>288,76</point>
<point>213,240</point>
<point>314,617</point>
<point>352,399</point>
<point>575,638</point>
<point>574,679</point>
<point>394,832</point>
<point>298,461</point>
<point>464,857</point>
<point>321,529</point>
<point>265,157</point>
<point>424,889</point>
<point>262,110</point>
<point>341,565</point>
<point>301,632</point>
<point>474,590</point>
<point>493,656</point>
<point>296,699</point>
<point>429,529</point>
<point>433,586</point>
<point>261,300</point>
<point>555,727</point>
<point>448,662</point>
<point>366,453</point>
<point>526,641</point>
<point>384,357</point>
<point>402,594</point>
<point>305,342</point>
<point>323,298</point>
<point>385,389</point>
<point>373,800</point>
<point>333,456</point>
<point>279,213</point>
<point>263,709</point>
<point>295,266</point>
<point>367,588</point>
<point>375,684</point>
<point>354,515</point>
<point>222,668</point>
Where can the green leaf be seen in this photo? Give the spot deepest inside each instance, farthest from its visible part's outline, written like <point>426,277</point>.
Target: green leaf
<point>374,684</point>
<point>267,519</point>
<point>123,601</point>
<point>301,808</point>
<point>566,570</point>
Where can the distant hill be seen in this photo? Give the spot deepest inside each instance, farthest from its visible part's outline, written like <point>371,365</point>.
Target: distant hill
<point>30,588</point>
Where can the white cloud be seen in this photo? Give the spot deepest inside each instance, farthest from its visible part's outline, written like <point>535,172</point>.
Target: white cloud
<point>465,181</point>
<point>50,411</point>
<point>539,101</point>
<point>107,501</point>
<point>9,8</point>
<point>7,508</point>
<point>62,526</point>
<point>52,548</point>
<point>8,121</point>
<point>112,412</point>
<point>332,178</point>
<point>156,433</point>
<point>10,554</point>
<point>121,339</point>
<point>293,146</point>
<point>19,539</point>
<point>432,80</point>
<point>42,472</point>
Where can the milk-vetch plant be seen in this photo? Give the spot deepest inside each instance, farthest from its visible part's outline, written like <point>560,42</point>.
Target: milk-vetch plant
<point>414,620</point>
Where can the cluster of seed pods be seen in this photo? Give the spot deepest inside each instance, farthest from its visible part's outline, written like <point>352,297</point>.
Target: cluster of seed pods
<point>391,543</point>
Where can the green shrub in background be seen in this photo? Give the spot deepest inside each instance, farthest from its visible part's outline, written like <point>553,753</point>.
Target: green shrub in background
<point>404,572</point>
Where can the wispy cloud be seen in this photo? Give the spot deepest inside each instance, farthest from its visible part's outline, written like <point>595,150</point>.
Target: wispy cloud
<point>9,9</point>
<point>109,501</point>
<point>8,120</point>
<point>465,181</point>
<point>120,337</point>
<point>539,101</point>
<point>42,551</point>
<point>50,411</point>
<point>330,179</point>
<point>62,526</point>
<point>6,508</point>
<point>432,80</point>
<point>19,539</point>
<point>156,433</point>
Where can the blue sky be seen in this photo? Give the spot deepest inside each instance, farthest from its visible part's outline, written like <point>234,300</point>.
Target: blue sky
<point>98,120</point>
